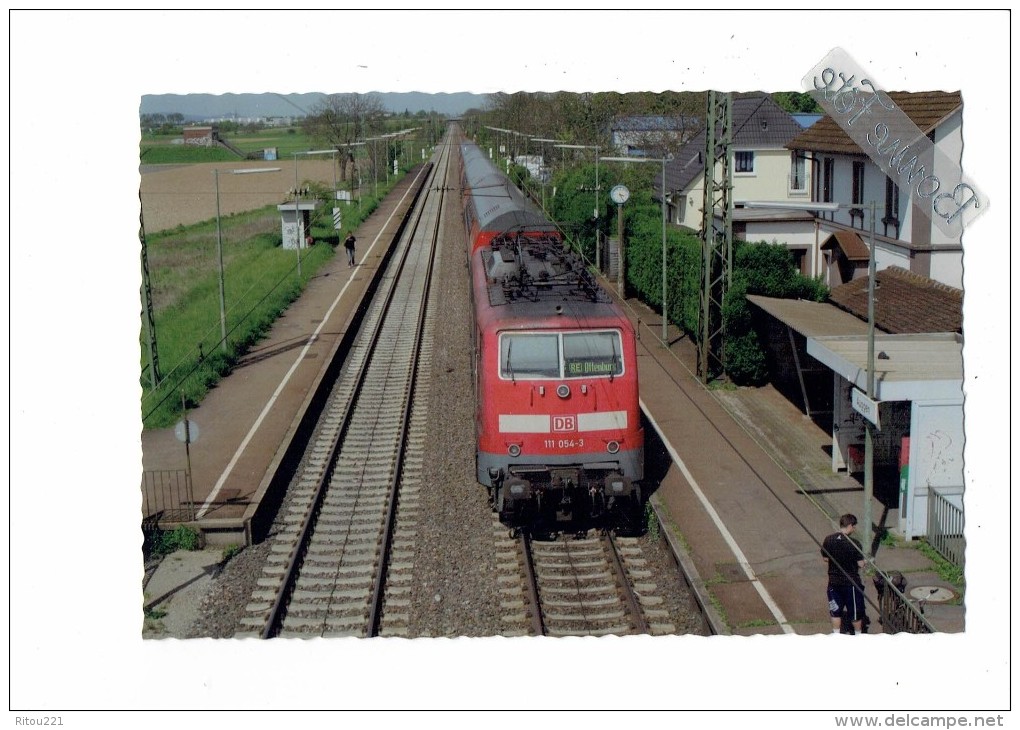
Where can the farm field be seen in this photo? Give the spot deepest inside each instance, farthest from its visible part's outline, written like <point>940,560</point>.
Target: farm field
<point>174,195</point>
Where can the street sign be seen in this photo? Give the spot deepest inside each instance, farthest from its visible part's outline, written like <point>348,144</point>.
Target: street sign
<point>337,218</point>
<point>186,432</point>
<point>865,406</point>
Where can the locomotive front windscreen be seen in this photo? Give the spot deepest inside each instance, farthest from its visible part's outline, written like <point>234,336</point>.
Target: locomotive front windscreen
<point>560,355</point>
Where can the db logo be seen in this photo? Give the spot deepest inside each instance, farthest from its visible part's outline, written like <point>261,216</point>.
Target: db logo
<point>564,423</point>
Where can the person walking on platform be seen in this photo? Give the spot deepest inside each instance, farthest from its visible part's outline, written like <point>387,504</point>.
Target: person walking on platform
<point>349,245</point>
<point>845,591</point>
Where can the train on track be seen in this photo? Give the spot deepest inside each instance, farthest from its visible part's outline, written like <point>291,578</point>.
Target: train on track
<point>559,434</point>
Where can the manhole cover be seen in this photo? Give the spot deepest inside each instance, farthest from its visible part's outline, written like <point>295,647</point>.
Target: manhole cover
<point>934,594</point>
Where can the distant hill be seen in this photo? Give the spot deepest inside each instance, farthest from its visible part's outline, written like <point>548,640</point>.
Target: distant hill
<point>206,106</point>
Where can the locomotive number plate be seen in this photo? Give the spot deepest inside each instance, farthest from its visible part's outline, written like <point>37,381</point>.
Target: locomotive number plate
<point>564,443</point>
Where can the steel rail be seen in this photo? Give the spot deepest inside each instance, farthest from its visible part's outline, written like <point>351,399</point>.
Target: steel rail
<point>277,611</point>
<point>531,584</point>
<point>378,590</point>
<point>623,580</point>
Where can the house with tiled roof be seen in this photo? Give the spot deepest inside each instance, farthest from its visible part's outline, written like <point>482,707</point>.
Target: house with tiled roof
<point>763,169</point>
<point>842,173</point>
<point>651,135</point>
<point>905,302</point>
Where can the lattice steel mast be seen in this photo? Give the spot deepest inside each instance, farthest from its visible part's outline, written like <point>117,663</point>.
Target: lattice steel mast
<point>717,233</point>
<point>150,322</point>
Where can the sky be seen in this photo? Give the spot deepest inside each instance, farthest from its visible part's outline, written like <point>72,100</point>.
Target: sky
<point>271,104</point>
<point>74,319</point>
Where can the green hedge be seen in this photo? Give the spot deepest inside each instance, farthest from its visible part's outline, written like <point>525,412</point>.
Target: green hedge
<point>761,268</point>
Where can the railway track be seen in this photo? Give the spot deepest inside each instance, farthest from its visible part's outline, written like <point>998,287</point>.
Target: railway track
<point>341,565</point>
<point>587,585</point>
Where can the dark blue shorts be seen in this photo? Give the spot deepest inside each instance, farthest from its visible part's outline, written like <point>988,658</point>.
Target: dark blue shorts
<point>850,598</point>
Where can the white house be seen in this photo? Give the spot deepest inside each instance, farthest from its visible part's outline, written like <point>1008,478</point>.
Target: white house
<point>641,136</point>
<point>842,173</point>
<point>763,167</point>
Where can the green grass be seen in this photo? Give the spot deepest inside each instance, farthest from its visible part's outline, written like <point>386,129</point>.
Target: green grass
<point>949,572</point>
<point>160,150</point>
<point>260,281</point>
<point>179,154</point>
<point>180,538</point>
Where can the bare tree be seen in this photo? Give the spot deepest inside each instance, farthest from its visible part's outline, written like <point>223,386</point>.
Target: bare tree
<point>340,120</point>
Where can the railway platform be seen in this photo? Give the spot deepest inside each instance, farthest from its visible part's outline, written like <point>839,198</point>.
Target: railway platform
<point>745,479</point>
<point>247,424</point>
<point>747,482</point>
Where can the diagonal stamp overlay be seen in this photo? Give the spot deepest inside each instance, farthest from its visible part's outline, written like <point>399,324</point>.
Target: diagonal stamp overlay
<point>936,184</point>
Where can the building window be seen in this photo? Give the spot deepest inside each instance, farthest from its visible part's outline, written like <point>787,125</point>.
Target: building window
<point>827,174</point>
<point>744,162</point>
<point>857,195</point>
<point>798,176</point>
<point>892,207</point>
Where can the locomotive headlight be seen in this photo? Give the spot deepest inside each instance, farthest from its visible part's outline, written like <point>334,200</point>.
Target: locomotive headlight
<point>616,486</point>
<point>613,446</point>
<point>563,390</point>
<point>514,450</point>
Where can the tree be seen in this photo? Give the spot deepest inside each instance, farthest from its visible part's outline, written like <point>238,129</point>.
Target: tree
<point>339,120</point>
<point>796,101</point>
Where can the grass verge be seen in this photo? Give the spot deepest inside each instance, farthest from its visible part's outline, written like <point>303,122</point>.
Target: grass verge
<point>261,280</point>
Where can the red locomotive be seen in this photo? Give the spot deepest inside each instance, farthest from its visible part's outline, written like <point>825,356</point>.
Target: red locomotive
<point>559,434</point>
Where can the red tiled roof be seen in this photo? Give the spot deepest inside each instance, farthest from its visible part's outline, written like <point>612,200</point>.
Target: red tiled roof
<point>905,303</point>
<point>853,246</point>
<point>926,109</point>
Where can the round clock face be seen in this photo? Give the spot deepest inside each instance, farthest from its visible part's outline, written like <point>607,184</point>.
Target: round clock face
<point>620,194</point>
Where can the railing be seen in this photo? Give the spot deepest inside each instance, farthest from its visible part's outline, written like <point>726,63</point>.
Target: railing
<point>897,613</point>
<point>945,528</point>
<point>167,496</point>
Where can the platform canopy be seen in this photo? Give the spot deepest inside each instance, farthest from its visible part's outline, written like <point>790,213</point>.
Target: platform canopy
<point>924,367</point>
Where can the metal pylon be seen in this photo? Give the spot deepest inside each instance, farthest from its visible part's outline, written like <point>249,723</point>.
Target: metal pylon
<point>716,233</point>
<point>150,322</point>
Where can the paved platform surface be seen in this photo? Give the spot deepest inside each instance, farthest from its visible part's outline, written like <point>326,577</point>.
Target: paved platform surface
<point>243,421</point>
<point>745,475</point>
<point>750,487</point>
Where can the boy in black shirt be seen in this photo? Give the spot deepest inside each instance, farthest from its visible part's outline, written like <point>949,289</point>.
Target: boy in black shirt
<point>845,558</point>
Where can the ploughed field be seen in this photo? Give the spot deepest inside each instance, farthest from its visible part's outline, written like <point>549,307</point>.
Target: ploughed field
<point>175,195</point>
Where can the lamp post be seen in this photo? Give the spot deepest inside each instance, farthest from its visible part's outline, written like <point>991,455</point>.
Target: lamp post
<point>356,169</point>
<point>499,130</point>
<point>869,426</point>
<point>375,163</point>
<point>543,141</point>
<point>219,245</point>
<point>662,161</point>
<point>297,218</point>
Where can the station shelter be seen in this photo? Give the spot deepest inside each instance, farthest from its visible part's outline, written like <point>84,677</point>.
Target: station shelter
<point>822,357</point>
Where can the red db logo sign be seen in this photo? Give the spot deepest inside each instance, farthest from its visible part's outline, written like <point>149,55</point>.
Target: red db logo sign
<point>564,423</point>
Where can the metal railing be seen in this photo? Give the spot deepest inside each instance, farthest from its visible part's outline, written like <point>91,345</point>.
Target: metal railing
<point>945,528</point>
<point>897,613</point>
<point>167,496</point>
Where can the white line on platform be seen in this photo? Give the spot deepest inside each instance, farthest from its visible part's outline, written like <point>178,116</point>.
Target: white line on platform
<point>283,383</point>
<point>721,526</point>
